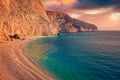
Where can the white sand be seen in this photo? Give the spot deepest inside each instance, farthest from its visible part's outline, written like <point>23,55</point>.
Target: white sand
<point>14,65</point>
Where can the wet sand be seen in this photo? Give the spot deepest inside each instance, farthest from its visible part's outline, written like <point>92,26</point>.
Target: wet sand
<point>14,65</point>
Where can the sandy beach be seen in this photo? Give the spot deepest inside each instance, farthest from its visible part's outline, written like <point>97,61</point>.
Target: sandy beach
<point>14,65</point>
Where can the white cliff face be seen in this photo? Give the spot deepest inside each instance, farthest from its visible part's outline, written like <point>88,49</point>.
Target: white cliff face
<point>25,18</point>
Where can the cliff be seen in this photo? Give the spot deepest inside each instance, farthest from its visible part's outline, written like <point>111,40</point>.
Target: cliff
<point>24,18</point>
<point>68,24</point>
<point>29,18</point>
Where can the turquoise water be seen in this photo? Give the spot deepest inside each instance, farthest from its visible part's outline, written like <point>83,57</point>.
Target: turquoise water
<point>82,56</point>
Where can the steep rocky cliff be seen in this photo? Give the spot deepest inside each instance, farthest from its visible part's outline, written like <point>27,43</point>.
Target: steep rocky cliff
<point>68,24</point>
<point>29,18</point>
<point>25,18</point>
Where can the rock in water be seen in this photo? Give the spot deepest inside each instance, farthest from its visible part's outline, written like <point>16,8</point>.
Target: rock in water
<point>25,18</point>
<point>68,24</point>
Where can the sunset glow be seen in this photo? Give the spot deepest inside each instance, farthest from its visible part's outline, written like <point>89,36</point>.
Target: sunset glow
<point>75,15</point>
<point>115,16</point>
<point>102,13</point>
<point>68,1</point>
<point>97,11</point>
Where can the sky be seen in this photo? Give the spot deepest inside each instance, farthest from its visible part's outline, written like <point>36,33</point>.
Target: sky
<point>103,13</point>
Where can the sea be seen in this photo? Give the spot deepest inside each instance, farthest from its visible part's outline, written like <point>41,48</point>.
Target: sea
<point>79,56</point>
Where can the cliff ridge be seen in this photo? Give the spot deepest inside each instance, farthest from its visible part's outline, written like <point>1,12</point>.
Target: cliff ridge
<point>68,24</point>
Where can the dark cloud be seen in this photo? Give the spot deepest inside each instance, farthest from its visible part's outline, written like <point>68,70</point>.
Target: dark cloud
<point>58,5</point>
<point>93,4</point>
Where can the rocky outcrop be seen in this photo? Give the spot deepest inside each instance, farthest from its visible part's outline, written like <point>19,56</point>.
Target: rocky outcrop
<point>29,18</point>
<point>25,18</point>
<point>68,24</point>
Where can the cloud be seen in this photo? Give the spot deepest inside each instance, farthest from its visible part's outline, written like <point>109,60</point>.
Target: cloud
<point>59,5</point>
<point>68,1</point>
<point>64,5</point>
<point>75,15</point>
<point>95,4</point>
<point>104,13</point>
<point>97,11</point>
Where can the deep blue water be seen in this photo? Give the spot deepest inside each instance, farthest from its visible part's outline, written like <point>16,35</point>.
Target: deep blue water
<point>82,56</point>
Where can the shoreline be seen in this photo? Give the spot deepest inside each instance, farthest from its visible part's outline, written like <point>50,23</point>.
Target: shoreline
<point>15,65</point>
<point>21,48</point>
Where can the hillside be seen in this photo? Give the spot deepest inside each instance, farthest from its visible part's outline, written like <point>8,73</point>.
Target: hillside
<point>68,24</point>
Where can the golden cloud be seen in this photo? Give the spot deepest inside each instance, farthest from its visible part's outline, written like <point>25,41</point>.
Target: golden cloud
<point>68,1</point>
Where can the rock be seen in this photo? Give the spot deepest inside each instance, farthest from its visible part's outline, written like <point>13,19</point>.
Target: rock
<point>15,36</point>
<point>24,17</point>
<point>68,24</point>
<point>29,18</point>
